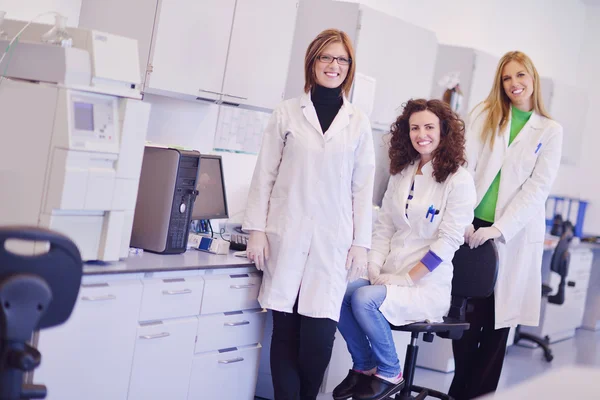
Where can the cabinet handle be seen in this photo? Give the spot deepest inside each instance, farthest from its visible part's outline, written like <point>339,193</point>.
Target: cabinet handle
<point>156,336</point>
<point>210,91</point>
<point>233,360</point>
<point>173,292</point>
<point>248,286</point>
<point>99,298</point>
<point>240,323</point>
<point>237,97</point>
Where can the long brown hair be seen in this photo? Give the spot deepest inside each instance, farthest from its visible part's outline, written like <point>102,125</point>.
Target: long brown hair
<point>449,155</point>
<point>497,104</point>
<point>315,49</point>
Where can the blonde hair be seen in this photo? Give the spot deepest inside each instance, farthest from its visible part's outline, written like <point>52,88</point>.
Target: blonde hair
<point>315,49</point>
<point>497,103</point>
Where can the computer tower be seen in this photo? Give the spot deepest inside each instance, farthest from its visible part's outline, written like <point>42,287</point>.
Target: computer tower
<point>165,201</point>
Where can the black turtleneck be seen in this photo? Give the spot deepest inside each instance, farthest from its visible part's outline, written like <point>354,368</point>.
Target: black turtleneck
<point>327,104</point>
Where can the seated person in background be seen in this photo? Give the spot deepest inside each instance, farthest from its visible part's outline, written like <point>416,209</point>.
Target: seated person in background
<point>426,209</point>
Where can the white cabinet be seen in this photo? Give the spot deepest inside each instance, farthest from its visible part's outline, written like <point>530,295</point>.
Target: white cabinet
<point>220,331</point>
<point>163,359</point>
<point>234,51</point>
<point>90,356</point>
<point>225,375</point>
<point>400,74</point>
<point>224,293</point>
<point>259,52</point>
<point>189,49</point>
<point>171,298</point>
<point>476,71</point>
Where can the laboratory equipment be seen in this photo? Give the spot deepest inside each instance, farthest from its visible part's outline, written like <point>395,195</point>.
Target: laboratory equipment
<point>58,34</point>
<point>211,202</point>
<point>166,196</point>
<point>568,209</point>
<point>73,130</point>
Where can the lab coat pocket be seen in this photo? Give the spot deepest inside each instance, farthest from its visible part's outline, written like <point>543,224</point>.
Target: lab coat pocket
<point>428,221</point>
<point>523,167</point>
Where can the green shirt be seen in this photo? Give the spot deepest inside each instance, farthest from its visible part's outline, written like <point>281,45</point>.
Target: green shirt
<point>486,210</point>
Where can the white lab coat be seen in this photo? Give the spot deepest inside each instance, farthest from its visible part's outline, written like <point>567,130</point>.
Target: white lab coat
<point>399,243</point>
<point>527,176</point>
<point>311,193</point>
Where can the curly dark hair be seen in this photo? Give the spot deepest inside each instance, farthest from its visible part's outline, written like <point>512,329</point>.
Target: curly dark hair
<point>449,155</point>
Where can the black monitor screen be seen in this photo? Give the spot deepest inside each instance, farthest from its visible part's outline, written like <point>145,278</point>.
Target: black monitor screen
<point>211,202</point>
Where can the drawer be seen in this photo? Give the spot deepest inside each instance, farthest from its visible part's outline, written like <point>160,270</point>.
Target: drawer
<point>221,331</point>
<point>227,375</point>
<point>171,298</point>
<point>223,293</point>
<point>163,359</point>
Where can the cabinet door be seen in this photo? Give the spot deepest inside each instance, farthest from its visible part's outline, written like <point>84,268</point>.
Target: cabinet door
<point>89,357</point>
<point>163,360</point>
<point>401,58</point>
<point>190,47</point>
<point>259,52</point>
<point>225,375</point>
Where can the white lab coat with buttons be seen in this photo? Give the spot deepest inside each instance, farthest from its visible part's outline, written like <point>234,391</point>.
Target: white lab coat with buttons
<point>399,243</point>
<point>311,193</point>
<point>529,166</point>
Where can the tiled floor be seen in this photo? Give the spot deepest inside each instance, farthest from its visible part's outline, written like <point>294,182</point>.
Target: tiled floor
<point>523,363</point>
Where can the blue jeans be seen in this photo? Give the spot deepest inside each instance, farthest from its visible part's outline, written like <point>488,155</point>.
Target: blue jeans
<point>366,331</point>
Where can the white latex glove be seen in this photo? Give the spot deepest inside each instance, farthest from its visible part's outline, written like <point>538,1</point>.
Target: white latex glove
<point>373,271</point>
<point>356,263</point>
<point>257,249</point>
<point>468,233</point>
<point>482,235</point>
<point>397,280</point>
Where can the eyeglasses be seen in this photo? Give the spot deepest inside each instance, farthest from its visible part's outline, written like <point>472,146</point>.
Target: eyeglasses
<point>329,59</point>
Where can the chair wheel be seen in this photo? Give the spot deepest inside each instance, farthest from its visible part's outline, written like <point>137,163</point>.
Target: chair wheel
<point>549,357</point>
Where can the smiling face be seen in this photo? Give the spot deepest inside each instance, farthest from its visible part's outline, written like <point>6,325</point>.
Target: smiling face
<point>424,133</point>
<point>518,85</point>
<point>332,74</point>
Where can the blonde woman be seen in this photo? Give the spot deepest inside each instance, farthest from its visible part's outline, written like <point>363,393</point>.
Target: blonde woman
<point>513,152</point>
<point>309,213</point>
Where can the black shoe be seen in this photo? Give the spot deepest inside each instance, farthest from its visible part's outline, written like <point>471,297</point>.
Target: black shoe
<point>345,390</point>
<point>377,389</point>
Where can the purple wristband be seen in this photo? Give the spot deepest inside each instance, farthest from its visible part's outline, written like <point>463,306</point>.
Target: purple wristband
<point>431,260</point>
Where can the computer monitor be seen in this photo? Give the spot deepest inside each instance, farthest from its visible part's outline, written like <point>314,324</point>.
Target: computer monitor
<point>211,202</point>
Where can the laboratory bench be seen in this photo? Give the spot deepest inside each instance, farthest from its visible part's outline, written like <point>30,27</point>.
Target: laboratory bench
<point>184,326</point>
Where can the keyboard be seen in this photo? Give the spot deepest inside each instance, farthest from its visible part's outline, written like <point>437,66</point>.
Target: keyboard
<point>238,242</point>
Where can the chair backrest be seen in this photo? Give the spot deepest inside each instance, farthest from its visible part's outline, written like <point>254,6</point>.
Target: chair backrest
<point>475,271</point>
<point>61,267</point>
<point>560,263</point>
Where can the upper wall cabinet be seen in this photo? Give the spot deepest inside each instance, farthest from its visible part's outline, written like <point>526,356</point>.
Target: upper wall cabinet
<point>475,69</point>
<point>400,56</point>
<point>233,51</point>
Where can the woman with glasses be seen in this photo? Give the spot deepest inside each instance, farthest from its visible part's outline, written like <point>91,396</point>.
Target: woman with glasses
<point>426,208</point>
<point>309,214</point>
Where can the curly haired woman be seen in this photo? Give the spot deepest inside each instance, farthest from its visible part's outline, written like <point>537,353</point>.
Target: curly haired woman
<point>426,209</point>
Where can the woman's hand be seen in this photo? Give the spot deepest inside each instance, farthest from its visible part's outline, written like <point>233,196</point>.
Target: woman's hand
<point>356,263</point>
<point>482,235</point>
<point>257,249</point>
<point>373,272</point>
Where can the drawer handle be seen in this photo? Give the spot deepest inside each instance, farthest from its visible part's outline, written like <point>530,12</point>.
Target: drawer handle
<point>248,286</point>
<point>240,323</point>
<point>156,336</point>
<point>174,292</point>
<point>233,360</point>
<point>99,298</point>
<point>571,284</point>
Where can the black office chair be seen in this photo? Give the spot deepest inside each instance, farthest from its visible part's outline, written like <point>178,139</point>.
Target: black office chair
<point>559,264</point>
<point>36,292</point>
<point>475,273</point>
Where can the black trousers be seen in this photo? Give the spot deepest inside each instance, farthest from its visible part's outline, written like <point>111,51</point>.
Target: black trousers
<point>300,352</point>
<point>479,354</point>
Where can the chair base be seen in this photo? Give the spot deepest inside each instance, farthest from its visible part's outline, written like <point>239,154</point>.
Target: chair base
<point>422,393</point>
<point>544,343</point>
